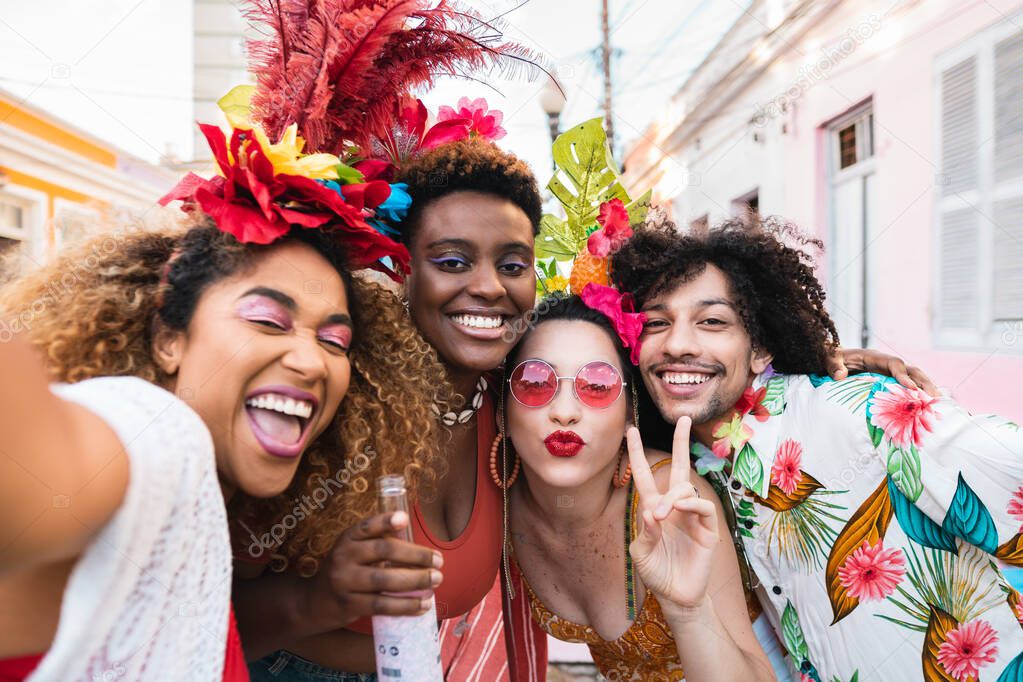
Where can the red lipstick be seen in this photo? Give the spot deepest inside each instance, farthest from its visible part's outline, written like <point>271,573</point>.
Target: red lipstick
<point>564,443</point>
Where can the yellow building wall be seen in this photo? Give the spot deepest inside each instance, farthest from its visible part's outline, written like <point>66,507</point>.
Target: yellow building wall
<point>33,124</point>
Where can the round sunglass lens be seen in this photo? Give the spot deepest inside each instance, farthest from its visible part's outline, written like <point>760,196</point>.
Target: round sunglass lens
<point>598,384</point>
<point>533,383</point>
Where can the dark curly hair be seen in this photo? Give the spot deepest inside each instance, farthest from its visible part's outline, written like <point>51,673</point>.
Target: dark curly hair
<point>778,297</point>
<point>472,165</point>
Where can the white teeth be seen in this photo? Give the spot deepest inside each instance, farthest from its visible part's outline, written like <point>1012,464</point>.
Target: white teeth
<point>283,404</point>
<point>478,321</point>
<point>685,378</point>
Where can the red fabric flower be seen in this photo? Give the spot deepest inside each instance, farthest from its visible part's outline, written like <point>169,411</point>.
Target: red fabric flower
<point>410,135</point>
<point>618,308</point>
<point>485,123</point>
<point>258,206</point>
<point>615,229</point>
<point>752,402</point>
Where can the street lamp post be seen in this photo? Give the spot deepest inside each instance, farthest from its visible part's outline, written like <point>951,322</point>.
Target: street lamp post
<point>552,99</point>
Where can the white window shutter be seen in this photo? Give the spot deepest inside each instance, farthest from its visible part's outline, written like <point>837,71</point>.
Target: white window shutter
<point>1008,285</point>
<point>958,233</point>
<point>959,127</point>
<point>1009,108</point>
<point>959,245</point>
<point>1008,177</point>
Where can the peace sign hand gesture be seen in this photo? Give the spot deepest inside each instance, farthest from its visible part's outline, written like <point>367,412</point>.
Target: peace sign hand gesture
<point>678,530</point>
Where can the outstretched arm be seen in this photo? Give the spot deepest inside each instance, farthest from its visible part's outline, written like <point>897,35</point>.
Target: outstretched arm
<point>63,472</point>
<point>684,556</point>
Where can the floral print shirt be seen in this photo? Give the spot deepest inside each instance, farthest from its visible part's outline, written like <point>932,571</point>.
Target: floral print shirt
<point>874,519</point>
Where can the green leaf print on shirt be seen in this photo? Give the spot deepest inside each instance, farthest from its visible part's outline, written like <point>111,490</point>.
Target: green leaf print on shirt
<point>792,633</point>
<point>774,398</point>
<point>970,520</point>
<point>918,526</point>
<point>960,586</point>
<point>1014,671</point>
<point>904,470</point>
<point>748,468</point>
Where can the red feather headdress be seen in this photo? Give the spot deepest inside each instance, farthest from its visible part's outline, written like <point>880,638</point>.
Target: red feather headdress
<point>341,69</point>
<point>333,77</point>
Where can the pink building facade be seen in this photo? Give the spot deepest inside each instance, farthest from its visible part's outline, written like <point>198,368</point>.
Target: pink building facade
<point>894,132</point>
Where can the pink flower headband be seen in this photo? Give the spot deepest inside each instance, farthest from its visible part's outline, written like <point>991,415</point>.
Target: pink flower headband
<point>618,308</point>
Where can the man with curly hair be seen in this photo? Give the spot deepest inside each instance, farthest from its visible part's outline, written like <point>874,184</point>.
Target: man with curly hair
<point>816,470</point>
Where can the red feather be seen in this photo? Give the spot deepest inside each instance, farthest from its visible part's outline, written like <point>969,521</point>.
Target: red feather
<point>340,68</point>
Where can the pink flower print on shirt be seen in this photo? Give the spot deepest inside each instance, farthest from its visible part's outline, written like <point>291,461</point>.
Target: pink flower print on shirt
<point>1016,507</point>
<point>904,414</point>
<point>967,649</point>
<point>872,572</point>
<point>785,471</point>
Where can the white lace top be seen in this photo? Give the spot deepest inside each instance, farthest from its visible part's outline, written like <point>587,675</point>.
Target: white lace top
<point>149,597</point>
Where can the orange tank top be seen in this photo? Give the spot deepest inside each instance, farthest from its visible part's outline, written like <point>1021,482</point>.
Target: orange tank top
<point>472,560</point>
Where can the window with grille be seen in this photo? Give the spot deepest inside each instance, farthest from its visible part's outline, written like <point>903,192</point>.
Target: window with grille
<point>13,222</point>
<point>979,212</point>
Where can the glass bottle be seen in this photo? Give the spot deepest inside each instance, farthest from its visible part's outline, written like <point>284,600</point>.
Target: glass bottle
<point>406,647</point>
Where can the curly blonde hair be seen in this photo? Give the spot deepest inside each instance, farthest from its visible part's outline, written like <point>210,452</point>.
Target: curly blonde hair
<point>91,312</point>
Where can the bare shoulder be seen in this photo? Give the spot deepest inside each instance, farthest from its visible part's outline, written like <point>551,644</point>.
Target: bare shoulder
<point>654,458</point>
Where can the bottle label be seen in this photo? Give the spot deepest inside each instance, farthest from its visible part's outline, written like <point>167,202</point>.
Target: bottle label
<point>407,648</point>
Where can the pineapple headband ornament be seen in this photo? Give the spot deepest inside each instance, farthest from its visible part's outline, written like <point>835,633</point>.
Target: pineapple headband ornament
<point>333,76</point>
<point>599,219</point>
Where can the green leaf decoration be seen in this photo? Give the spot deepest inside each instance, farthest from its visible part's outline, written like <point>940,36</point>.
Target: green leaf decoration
<point>639,209</point>
<point>792,634</point>
<point>904,470</point>
<point>586,176</point>
<point>774,398</point>
<point>1014,671</point>
<point>875,433</point>
<point>349,176</point>
<point>917,526</point>
<point>555,240</point>
<point>970,520</point>
<point>237,106</point>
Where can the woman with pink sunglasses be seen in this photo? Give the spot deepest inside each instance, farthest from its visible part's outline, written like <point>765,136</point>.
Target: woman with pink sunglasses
<point>614,545</point>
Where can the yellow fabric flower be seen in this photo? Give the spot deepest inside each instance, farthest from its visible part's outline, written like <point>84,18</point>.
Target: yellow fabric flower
<point>556,283</point>
<point>286,156</point>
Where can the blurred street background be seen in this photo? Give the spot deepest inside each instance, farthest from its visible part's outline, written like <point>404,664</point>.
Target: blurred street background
<point>890,129</point>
